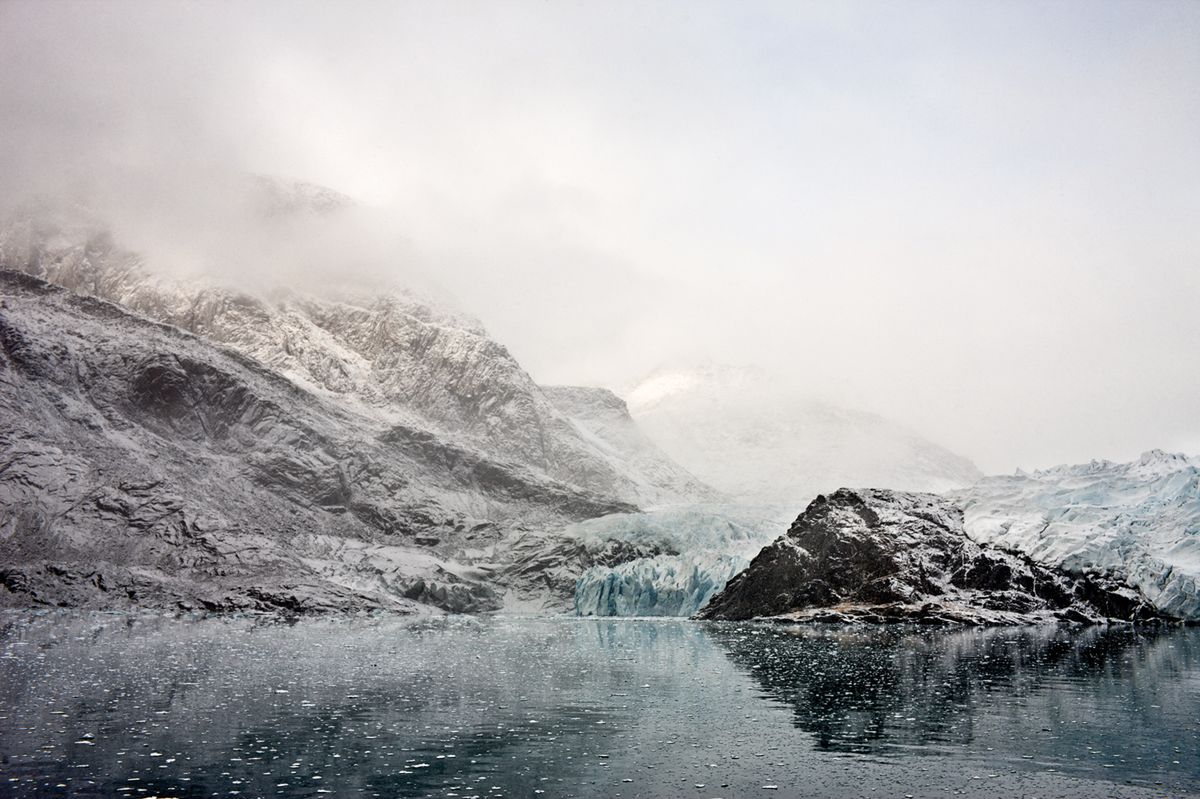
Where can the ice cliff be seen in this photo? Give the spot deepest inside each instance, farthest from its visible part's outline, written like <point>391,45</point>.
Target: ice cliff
<point>699,549</point>
<point>665,585</point>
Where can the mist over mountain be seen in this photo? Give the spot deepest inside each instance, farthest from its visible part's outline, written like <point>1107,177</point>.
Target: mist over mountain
<point>272,447</point>
<point>744,433</point>
<point>1004,263</point>
<point>392,352</point>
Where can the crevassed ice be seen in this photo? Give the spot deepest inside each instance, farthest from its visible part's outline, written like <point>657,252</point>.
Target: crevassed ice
<point>714,542</point>
<point>1141,519</point>
<point>665,585</point>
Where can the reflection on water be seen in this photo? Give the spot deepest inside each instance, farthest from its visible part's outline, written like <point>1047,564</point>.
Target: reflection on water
<point>1080,700</point>
<point>111,705</point>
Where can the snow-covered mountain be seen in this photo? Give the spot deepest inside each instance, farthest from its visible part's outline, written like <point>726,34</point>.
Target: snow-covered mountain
<point>738,431</point>
<point>140,464</point>
<point>169,441</point>
<point>397,355</point>
<point>179,442</point>
<point>1139,519</point>
<point>602,418</point>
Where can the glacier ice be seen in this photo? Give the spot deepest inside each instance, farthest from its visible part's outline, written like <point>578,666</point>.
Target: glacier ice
<point>701,549</point>
<point>1140,519</point>
<point>665,585</point>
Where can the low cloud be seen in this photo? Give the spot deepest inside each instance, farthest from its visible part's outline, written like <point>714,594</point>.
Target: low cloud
<point>977,219</point>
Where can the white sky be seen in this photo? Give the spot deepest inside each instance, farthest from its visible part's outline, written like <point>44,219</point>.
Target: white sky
<point>982,219</point>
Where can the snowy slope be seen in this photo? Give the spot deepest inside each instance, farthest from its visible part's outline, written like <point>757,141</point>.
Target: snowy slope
<point>1140,519</point>
<point>397,355</point>
<point>739,432</point>
<point>602,418</point>
<point>143,465</point>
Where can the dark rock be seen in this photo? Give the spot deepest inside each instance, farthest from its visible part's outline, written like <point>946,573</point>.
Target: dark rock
<point>874,556</point>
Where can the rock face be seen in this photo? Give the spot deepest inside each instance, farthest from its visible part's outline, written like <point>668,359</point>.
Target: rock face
<point>878,556</point>
<point>143,465</point>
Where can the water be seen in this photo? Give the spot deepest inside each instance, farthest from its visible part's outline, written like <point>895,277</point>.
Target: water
<point>140,706</point>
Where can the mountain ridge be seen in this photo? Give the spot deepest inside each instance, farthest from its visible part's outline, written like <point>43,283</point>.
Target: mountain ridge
<point>145,465</point>
<point>398,354</point>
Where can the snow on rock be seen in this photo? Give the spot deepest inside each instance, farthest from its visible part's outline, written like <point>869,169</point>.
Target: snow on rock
<point>141,465</point>
<point>1139,519</point>
<point>879,556</point>
<point>737,430</point>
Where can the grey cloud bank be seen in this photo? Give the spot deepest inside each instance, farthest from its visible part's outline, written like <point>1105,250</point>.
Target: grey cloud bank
<point>977,219</point>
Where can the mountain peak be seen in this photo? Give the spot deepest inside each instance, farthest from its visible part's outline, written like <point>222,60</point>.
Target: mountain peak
<point>278,197</point>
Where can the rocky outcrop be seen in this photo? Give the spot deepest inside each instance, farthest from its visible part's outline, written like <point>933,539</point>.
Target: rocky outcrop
<point>143,465</point>
<point>882,556</point>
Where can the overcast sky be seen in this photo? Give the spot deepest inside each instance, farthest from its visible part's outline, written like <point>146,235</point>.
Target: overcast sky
<point>981,219</point>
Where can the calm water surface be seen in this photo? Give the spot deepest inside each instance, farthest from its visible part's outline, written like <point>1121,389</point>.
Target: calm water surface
<point>140,706</point>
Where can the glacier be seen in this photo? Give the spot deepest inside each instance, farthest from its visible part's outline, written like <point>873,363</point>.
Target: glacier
<point>700,549</point>
<point>1139,520</point>
<point>665,585</point>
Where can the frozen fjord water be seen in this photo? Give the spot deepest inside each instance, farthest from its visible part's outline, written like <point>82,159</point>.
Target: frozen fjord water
<point>120,705</point>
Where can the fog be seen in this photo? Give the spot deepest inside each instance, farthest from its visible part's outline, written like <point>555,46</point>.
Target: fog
<point>978,219</point>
